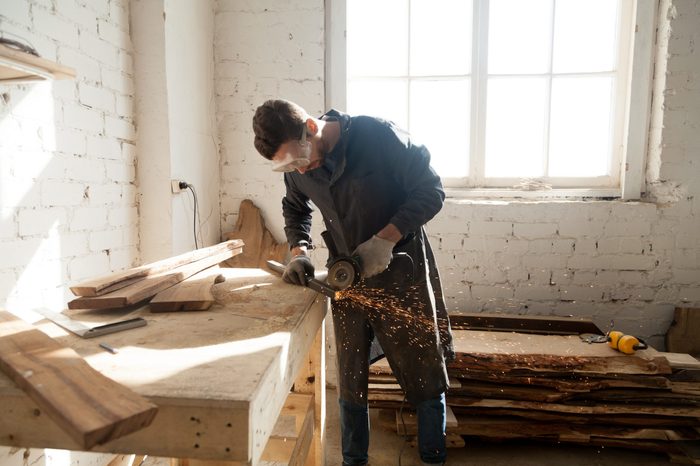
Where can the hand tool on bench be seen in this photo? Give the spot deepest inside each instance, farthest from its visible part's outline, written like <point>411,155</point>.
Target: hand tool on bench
<point>86,331</point>
<point>312,282</point>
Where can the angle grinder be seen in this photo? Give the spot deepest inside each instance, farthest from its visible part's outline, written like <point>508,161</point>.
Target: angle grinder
<point>343,272</point>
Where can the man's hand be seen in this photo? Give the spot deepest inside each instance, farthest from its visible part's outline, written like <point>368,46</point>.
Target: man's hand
<point>298,270</point>
<point>375,255</point>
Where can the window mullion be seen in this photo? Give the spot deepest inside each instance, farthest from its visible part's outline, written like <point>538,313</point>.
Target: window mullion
<point>480,41</point>
<point>408,68</point>
<point>548,95</point>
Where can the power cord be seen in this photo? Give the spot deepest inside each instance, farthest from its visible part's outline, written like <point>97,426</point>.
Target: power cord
<point>405,433</point>
<point>186,185</point>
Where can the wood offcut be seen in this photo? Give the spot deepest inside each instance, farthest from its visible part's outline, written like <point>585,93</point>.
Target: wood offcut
<point>88,406</point>
<point>260,245</point>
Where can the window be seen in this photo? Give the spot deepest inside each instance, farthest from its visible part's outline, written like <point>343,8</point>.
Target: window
<point>502,90</point>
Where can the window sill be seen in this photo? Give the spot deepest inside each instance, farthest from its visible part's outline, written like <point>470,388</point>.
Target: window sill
<point>505,193</point>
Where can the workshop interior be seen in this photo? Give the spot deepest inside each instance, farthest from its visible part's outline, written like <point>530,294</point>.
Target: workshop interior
<point>484,209</point>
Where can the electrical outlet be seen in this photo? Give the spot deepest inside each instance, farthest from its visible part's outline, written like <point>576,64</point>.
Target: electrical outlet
<point>175,186</point>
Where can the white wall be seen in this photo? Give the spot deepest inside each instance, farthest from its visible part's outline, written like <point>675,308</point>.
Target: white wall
<point>67,159</point>
<point>67,164</point>
<point>193,142</point>
<point>628,261</point>
<point>173,43</point>
<point>263,50</point>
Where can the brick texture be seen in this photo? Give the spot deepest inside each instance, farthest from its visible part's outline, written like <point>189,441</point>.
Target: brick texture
<point>66,151</point>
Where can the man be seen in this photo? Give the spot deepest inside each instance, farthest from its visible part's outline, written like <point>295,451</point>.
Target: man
<point>375,190</point>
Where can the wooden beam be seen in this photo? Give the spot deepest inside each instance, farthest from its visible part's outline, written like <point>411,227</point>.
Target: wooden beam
<point>312,380</point>
<point>118,280</point>
<point>294,450</point>
<point>88,406</point>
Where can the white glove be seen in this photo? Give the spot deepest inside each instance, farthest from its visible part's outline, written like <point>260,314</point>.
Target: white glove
<point>375,255</point>
<point>298,270</point>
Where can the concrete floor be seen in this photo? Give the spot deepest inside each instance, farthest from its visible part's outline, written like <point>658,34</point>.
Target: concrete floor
<point>385,446</point>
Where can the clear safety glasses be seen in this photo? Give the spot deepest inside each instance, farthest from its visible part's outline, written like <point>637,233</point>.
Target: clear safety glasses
<point>294,160</point>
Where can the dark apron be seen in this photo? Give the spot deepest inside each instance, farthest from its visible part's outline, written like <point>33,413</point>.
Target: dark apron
<point>398,309</point>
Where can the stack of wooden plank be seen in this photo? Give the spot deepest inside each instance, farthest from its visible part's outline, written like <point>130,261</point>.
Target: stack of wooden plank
<point>181,282</point>
<point>559,388</point>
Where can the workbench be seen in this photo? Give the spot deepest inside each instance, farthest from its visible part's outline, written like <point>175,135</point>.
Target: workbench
<point>220,377</point>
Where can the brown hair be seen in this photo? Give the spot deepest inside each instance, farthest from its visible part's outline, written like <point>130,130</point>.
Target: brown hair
<point>276,122</point>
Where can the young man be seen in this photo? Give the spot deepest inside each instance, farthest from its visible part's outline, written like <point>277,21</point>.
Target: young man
<point>375,190</point>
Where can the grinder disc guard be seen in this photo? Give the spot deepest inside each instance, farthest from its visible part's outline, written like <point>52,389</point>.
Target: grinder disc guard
<point>343,273</point>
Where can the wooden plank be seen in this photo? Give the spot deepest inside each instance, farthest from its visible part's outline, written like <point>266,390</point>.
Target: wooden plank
<point>599,408</point>
<point>684,334</point>
<point>502,352</point>
<point>149,286</point>
<point>260,245</point>
<point>11,68</point>
<point>681,361</point>
<point>293,449</point>
<point>192,294</point>
<point>112,282</point>
<point>311,379</point>
<point>545,325</point>
<point>91,408</point>
<point>407,421</point>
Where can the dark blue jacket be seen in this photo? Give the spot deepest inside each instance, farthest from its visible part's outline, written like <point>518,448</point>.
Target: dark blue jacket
<point>374,176</point>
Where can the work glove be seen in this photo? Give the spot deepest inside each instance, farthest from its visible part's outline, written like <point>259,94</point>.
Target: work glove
<point>298,270</point>
<point>375,255</point>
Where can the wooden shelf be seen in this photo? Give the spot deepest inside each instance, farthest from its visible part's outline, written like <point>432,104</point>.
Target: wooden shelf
<point>16,66</point>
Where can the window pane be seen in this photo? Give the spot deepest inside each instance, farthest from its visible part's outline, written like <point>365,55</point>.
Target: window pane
<point>519,36</point>
<point>580,129</point>
<point>441,37</point>
<point>515,127</point>
<point>386,98</point>
<point>585,35</point>
<point>440,120</point>
<point>377,38</point>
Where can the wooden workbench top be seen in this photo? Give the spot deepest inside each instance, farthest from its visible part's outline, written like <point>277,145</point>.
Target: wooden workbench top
<point>212,373</point>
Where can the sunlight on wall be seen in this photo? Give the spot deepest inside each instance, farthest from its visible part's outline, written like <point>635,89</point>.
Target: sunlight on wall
<point>44,267</point>
<point>27,139</point>
<point>31,233</point>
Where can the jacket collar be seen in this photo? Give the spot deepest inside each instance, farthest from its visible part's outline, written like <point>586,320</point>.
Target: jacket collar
<point>335,160</point>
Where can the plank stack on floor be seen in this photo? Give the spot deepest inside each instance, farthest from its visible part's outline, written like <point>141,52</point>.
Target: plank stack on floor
<point>135,285</point>
<point>558,388</point>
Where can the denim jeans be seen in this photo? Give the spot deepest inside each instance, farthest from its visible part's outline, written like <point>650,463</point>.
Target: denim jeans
<point>354,429</point>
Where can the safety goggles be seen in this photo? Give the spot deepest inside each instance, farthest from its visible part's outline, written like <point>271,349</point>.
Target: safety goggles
<point>292,161</point>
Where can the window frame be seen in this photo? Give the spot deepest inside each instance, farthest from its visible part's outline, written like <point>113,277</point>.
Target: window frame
<point>630,131</point>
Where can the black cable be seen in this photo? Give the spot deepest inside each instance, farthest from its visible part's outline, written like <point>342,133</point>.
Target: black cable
<point>194,219</point>
<point>405,433</point>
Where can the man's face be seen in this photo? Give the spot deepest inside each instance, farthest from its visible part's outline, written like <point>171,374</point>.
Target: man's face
<point>300,155</point>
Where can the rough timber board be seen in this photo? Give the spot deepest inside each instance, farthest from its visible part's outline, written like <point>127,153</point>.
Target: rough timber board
<point>107,283</point>
<point>220,364</point>
<point>192,294</point>
<point>90,407</point>
<point>151,285</point>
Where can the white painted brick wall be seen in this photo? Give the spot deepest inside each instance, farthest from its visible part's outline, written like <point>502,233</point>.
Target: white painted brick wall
<point>627,261</point>
<point>67,160</point>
